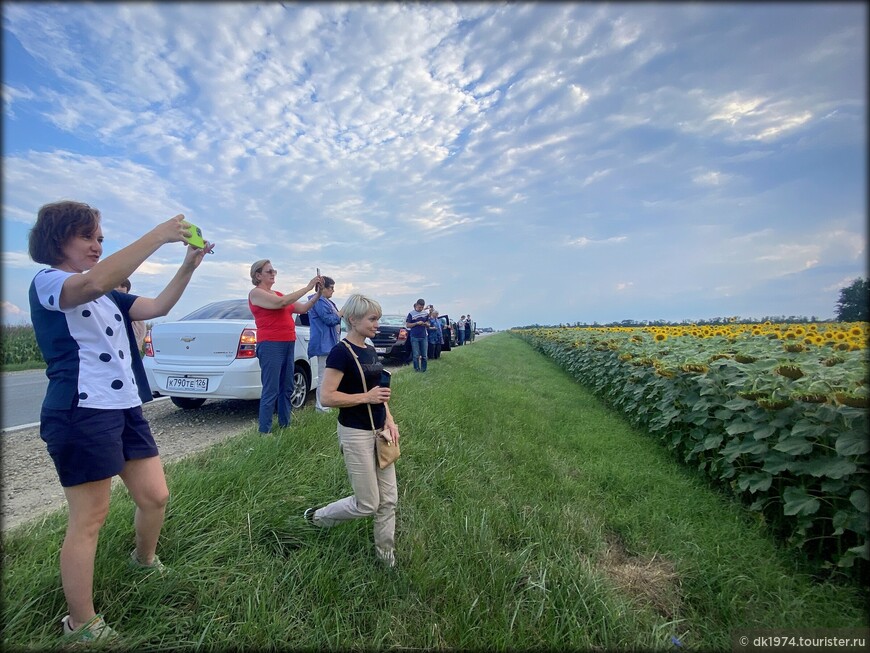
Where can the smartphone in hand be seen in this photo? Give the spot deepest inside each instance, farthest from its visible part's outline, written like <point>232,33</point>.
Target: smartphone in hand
<point>195,235</point>
<point>317,285</point>
<point>386,375</point>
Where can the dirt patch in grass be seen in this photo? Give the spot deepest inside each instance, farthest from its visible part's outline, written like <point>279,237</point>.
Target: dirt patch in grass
<point>649,581</point>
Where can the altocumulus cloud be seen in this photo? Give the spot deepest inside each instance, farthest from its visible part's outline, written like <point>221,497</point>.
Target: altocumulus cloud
<point>438,149</point>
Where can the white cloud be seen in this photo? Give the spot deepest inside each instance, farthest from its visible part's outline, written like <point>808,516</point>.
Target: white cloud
<point>12,314</point>
<point>844,282</point>
<point>755,118</point>
<point>595,176</point>
<point>709,178</point>
<point>19,260</point>
<point>583,241</point>
<point>131,197</point>
<point>826,247</point>
<point>11,94</point>
<point>345,135</point>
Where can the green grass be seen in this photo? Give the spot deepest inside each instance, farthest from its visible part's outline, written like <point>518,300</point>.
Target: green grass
<point>18,367</point>
<point>530,516</point>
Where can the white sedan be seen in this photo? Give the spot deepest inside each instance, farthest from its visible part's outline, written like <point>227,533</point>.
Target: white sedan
<point>211,354</point>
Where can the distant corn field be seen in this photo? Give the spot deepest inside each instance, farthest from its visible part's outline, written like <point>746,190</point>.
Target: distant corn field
<point>18,345</point>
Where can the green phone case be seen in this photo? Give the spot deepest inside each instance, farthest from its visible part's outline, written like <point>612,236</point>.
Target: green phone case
<point>195,237</point>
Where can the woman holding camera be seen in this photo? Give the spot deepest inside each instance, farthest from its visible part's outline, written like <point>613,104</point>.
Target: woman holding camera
<point>276,340</point>
<point>325,320</point>
<point>91,419</point>
<point>374,489</point>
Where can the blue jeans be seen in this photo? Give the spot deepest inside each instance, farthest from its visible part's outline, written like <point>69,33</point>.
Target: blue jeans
<point>419,349</point>
<point>276,374</point>
<point>460,336</point>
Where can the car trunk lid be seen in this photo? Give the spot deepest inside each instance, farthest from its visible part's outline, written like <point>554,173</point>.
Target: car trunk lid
<point>197,342</point>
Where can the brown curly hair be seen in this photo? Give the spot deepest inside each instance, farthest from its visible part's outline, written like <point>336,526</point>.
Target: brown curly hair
<point>56,223</point>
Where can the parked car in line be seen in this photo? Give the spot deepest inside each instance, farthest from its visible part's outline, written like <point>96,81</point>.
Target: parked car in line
<point>392,339</point>
<point>211,354</point>
<point>448,331</point>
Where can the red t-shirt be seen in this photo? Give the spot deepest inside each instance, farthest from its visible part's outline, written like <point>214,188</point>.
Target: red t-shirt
<point>274,324</point>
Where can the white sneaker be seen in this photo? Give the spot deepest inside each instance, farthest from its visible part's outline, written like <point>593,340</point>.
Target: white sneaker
<point>386,558</point>
<point>96,630</point>
<point>323,409</point>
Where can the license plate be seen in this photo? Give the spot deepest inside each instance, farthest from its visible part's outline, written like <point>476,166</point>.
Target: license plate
<point>189,383</point>
<point>380,350</point>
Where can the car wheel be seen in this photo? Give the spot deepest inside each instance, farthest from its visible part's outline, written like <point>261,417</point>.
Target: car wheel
<point>301,386</point>
<point>187,403</point>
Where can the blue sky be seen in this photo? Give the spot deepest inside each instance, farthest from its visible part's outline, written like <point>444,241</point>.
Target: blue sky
<point>526,163</point>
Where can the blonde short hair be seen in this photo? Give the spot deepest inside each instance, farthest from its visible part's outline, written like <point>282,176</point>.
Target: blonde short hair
<point>256,268</point>
<point>358,306</point>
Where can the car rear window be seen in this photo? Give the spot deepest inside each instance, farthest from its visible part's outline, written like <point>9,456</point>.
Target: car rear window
<point>230,309</point>
<point>392,320</point>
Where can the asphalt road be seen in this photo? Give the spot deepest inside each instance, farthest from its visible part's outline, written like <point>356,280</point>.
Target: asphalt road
<point>23,392</point>
<point>22,395</point>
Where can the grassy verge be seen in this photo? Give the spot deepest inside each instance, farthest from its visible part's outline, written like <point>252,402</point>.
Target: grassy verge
<point>530,516</point>
<point>18,367</point>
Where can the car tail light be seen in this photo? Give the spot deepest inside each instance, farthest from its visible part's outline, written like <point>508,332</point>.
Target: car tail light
<point>247,344</point>
<point>402,334</point>
<point>149,348</point>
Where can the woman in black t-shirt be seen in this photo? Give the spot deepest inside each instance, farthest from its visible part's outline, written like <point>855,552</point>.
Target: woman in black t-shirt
<point>374,489</point>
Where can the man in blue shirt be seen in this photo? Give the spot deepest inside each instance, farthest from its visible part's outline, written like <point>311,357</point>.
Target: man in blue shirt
<point>418,325</point>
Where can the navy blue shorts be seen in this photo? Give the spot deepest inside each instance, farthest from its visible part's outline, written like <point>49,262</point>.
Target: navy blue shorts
<point>92,444</point>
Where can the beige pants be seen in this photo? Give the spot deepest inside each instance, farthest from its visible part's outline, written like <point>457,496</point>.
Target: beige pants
<point>374,490</point>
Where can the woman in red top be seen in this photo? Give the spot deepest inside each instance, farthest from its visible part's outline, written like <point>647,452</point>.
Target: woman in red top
<point>276,340</point>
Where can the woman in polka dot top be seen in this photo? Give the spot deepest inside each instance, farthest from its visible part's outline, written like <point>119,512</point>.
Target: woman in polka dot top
<point>91,417</point>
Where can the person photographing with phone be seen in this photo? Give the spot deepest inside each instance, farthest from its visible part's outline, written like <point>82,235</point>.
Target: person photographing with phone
<point>91,418</point>
<point>276,340</point>
<point>355,382</point>
<point>325,320</point>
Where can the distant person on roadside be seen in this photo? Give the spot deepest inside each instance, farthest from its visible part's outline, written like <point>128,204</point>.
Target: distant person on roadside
<point>460,331</point>
<point>436,338</point>
<point>374,489</point>
<point>469,330</point>
<point>91,419</point>
<point>417,322</point>
<point>276,340</point>
<point>325,320</point>
<point>139,327</point>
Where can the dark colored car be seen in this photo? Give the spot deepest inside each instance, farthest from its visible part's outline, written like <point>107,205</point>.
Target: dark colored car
<point>448,332</point>
<point>391,340</point>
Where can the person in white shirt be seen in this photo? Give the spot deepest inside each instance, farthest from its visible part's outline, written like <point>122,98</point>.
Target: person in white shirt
<point>91,419</point>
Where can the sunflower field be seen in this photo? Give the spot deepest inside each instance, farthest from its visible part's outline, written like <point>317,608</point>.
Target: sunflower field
<point>777,413</point>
